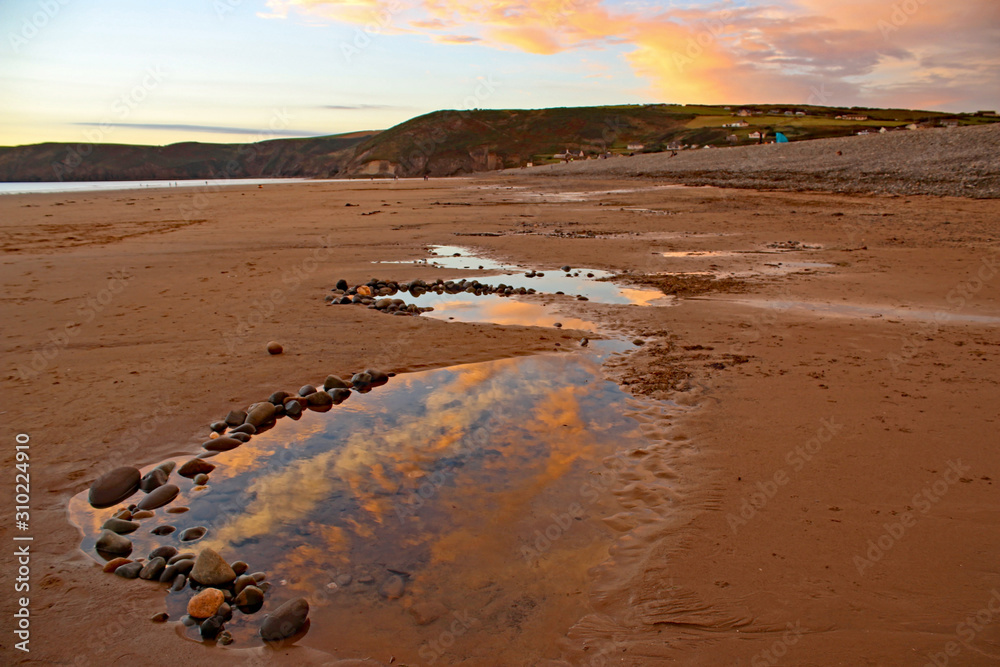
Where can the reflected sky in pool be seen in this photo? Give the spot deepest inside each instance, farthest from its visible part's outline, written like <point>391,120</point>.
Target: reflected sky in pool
<point>526,311</point>
<point>446,476</point>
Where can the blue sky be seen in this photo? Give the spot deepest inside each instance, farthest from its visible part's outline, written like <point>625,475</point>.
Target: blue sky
<point>141,71</point>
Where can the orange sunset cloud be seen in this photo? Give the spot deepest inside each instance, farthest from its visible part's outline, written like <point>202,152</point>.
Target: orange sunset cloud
<point>808,51</point>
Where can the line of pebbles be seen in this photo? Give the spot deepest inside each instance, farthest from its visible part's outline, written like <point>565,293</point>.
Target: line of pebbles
<point>377,293</point>
<point>219,586</point>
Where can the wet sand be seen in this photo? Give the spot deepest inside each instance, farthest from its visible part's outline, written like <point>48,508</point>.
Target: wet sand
<point>828,499</point>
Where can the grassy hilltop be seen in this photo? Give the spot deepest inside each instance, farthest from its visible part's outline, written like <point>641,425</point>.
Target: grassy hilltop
<point>446,143</point>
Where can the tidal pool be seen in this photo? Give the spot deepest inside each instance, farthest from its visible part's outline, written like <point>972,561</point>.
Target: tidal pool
<point>448,517</point>
<point>591,284</point>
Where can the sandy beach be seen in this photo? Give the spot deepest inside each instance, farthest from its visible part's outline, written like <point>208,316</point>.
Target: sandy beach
<point>820,492</point>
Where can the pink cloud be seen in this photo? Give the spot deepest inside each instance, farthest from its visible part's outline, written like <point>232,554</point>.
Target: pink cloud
<point>861,50</point>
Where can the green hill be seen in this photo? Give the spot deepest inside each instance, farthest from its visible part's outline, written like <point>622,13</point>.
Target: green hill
<point>447,143</point>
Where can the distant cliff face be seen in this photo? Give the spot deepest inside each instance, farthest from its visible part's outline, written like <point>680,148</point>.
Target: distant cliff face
<point>448,143</point>
<point>314,157</point>
<point>443,143</point>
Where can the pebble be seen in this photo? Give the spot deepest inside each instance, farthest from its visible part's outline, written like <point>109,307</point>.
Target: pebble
<point>211,570</point>
<point>278,397</point>
<point>165,529</point>
<point>192,534</point>
<point>638,341</point>
<point>120,526</point>
<point>153,479</point>
<point>225,611</point>
<point>361,380</point>
<point>161,617</point>
<point>188,621</point>
<point>584,342</point>
<point>335,382</point>
<point>258,576</point>
<point>223,444</point>
<point>239,567</point>
<point>344,579</point>
<point>242,581</point>
<point>211,628</point>
<point>248,429</point>
<point>186,555</point>
<point>340,395</point>
<point>179,582</point>
<point>184,566</point>
<point>260,414</point>
<point>393,588</point>
<point>159,497</point>
<point>201,479</point>
<point>114,486</point>
<point>167,466</point>
<point>285,621</point>
<point>236,417</point>
<point>165,552</point>
<point>142,514</point>
<point>243,437</point>
<point>153,569</point>
<point>129,570</point>
<point>113,543</point>
<point>249,600</point>
<point>274,347</point>
<point>115,563</point>
<point>225,638</point>
<point>379,378</point>
<point>565,269</point>
<point>205,603</point>
<point>558,325</point>
<point>425,613</point>
<point>218,427</point>
<point>342,285</point>
<point>169,573</point>
<point>319,399</point>
<point>124,515</point>
<point>195,467</point>
<point>307,389</point>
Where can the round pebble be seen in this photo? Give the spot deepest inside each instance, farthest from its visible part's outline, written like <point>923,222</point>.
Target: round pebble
<point>285,621</point>
<point>274,347</point>
<point>205,603</point>
<point>115,563</point>
<point>129,570</point>
<point>113,543</point>
<point>194,467</point>
<point>159,497</point>
<point>192,534</point>
<point>114,486</point>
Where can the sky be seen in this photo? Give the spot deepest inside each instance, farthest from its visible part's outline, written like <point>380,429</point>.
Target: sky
<point>154,72</point>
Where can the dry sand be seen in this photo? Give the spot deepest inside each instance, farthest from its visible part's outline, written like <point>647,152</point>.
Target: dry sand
<point>814,436</point>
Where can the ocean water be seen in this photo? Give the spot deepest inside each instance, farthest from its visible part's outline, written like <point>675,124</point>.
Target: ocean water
<point>102,186</point>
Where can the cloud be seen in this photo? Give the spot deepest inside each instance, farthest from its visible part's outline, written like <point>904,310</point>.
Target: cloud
<point>722,52</point>
<point>455,39</point>
<point>210,129</point>
<point>361,107</point>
